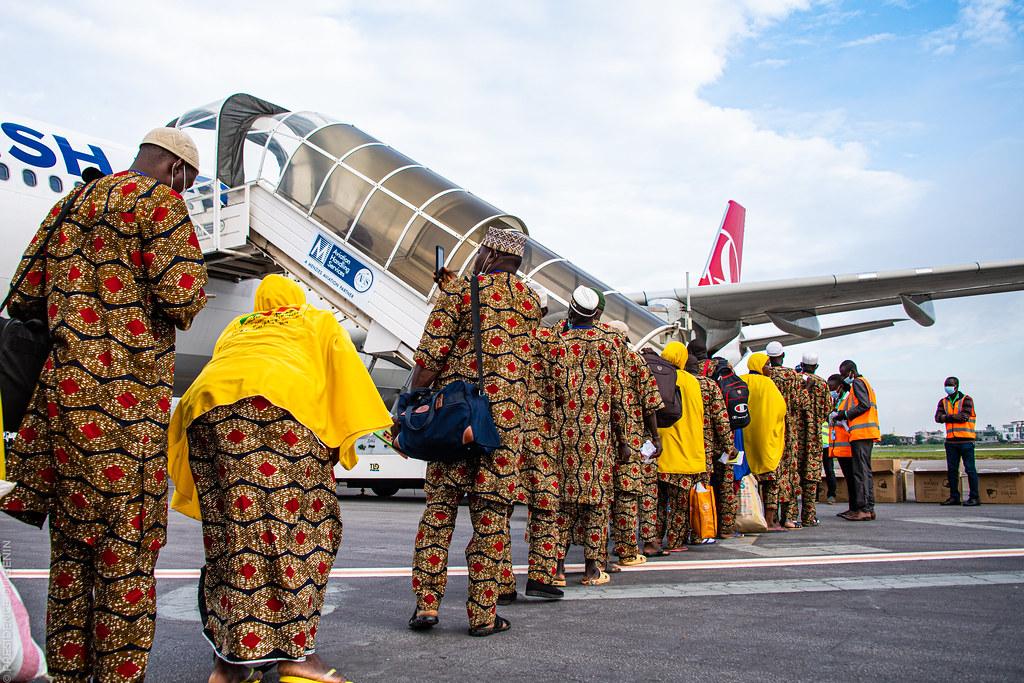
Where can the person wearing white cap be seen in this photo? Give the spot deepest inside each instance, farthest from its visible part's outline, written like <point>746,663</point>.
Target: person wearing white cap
<point>788,474</point>
<point>815,419</point>
<point>587,398</point>
<point>91,452</point>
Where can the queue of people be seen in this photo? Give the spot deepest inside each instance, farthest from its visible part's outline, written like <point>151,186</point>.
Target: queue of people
<point>607,447</point>
<point>604,445</point>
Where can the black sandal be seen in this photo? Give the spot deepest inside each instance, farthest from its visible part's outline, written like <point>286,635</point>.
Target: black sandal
<point>500,624</point>
<point>424,623</point>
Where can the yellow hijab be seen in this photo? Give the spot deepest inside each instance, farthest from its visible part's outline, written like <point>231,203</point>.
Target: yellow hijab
<point>683,443</point>
<point>764,438</point>
<point>297,357</point>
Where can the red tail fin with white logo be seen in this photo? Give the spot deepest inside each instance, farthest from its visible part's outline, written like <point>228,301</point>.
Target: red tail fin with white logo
<point>726,256</point>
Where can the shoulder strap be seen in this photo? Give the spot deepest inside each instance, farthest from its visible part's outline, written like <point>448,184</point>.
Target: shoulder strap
<point>474,286</point>
<point>41,251</point>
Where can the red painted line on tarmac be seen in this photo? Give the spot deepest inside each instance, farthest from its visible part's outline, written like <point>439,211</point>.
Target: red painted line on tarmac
<point>655,566</point>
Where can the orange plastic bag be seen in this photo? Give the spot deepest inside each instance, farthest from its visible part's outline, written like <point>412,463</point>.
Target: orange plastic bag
<point>703,515</point>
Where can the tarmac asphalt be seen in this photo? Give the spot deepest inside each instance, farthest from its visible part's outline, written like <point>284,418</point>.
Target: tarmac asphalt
<point>924,593</point>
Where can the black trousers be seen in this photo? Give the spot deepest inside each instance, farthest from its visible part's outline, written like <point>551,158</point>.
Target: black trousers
<point>955,452</point>
<point>846,467</point>
<point>862,491</point>
<point>830,473</point>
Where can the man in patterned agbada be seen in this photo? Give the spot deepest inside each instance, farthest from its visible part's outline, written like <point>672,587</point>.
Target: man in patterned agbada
<point>587,397</point>
<point>509,313</point>
<point>123,272</point>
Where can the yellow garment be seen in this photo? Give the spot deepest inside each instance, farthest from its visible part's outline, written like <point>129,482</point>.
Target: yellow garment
<point>297,357</point>
<point>682,444</point>
<point>764,438</point>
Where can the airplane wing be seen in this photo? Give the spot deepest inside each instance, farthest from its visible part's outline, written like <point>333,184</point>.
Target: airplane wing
<point>761,343</point>
<point>795,303</point>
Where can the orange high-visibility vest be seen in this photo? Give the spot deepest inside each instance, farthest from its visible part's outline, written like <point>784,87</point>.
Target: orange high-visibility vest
<point>865,426</point>
<point>839,446</point>
<point>959,430</point>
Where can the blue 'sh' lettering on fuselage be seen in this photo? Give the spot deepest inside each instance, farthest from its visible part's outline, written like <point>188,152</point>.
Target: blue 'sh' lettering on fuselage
<point>30,149</point>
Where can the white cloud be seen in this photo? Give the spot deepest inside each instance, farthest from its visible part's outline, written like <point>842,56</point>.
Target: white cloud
<point>987,22</point>
<point>869,40</point>
<point>772,63</point>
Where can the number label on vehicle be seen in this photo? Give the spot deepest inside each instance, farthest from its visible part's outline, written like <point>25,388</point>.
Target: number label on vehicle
<point>375,467</point>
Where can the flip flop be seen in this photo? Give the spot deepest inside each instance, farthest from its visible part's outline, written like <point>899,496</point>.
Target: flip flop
<point>558,582</point>
<point>303,679</point>
<point>660,553</point>
<point>500,624</point>
<point>613,568</point>
<point>634,561</point>
<point>680,549</point>
<point>601,579</point>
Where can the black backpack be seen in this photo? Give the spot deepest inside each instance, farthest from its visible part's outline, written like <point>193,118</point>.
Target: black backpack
<point>665,375</point>
<point>736,394</point>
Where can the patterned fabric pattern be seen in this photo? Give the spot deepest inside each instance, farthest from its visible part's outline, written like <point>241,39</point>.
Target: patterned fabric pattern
<point>509,313</point>
<point>587,397</point>
<point>124,271</point>
<point>648,503</point>
<point>271,530</point>
<point>484,554</point>
<point>676,506</point>
<point>790,384</point>
<point>625,512</point>
<point>726,500</point>
<point>539,473</point>
<point>819,404</point>
<point>639,393</point>
<point>587,524</point>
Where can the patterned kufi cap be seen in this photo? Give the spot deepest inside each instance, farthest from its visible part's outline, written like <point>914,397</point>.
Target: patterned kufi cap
<point>176,142</point>
<point>506,241</point>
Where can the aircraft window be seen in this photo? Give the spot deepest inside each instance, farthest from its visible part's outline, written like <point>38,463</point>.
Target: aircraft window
<point>5,172</point>
<point>56,184</point>
<point>29,177</point>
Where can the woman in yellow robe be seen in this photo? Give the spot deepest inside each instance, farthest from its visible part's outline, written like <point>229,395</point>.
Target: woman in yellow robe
<point>252,447</point>
<point>764,439</point>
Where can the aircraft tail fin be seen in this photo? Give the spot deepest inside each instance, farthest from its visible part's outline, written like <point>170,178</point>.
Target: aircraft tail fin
<point>726,257</point>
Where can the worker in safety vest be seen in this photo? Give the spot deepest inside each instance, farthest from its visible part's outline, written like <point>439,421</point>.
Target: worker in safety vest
<point>956,411</point>
<point>859,409</point>
<point>839,438</point>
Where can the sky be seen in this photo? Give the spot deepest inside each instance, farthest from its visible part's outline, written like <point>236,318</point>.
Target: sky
<point>859,136</point>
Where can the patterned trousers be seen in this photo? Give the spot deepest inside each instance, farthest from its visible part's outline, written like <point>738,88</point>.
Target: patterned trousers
<point>648,504</point>
<point>808,501</point>
<point>769,490</point>
<point>101,606</point>
<point>625,514</point>
<point>590,523</point>
<point>271,530</point>
<point>542,537</point>
<point>677,506</point>
<point>484,554</point>
<point>726,500</point>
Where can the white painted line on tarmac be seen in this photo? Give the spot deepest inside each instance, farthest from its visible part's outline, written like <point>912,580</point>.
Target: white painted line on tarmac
<point>971,523</point>
<point>654,566</point>
<point>846,583</point>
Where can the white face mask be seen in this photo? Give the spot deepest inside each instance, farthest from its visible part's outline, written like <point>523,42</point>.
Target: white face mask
<point>950,390</point>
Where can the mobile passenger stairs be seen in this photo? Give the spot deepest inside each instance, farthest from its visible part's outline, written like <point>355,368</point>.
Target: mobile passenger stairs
<point>357,223</point>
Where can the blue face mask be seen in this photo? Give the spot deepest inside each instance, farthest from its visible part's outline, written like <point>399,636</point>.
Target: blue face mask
<point>950,391</point>
<point>848,380</point>
<point>835,395</point>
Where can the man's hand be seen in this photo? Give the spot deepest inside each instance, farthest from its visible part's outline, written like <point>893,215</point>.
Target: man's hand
<point>656,440</point>
<point>444,276</point>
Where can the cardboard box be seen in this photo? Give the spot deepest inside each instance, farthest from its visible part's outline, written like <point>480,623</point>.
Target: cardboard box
<point>1001,486</point>
<point>932,485</point>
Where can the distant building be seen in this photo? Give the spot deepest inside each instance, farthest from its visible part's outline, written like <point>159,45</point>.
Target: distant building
<point>989,435</point>
<point>936,436</point>
<point>1014,431</point>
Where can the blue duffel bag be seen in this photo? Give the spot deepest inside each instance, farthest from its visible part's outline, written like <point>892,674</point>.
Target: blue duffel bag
<point>453,423</point>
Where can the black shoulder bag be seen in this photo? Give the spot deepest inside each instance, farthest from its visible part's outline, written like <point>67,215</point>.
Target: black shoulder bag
<point>455,422</point>
<point>25,345</point>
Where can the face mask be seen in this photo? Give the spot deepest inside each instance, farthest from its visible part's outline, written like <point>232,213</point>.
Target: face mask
<point>950,391</point>
<point>835,395</point>
<point>848,380</point>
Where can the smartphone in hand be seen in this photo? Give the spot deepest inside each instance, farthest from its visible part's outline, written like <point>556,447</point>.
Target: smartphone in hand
<point>438,261</point>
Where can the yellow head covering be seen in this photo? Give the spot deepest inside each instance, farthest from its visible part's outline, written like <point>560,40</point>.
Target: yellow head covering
<point>764,439</point>
<point>297,357</point>
<point>683,443</point>
<point>756,362</point>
